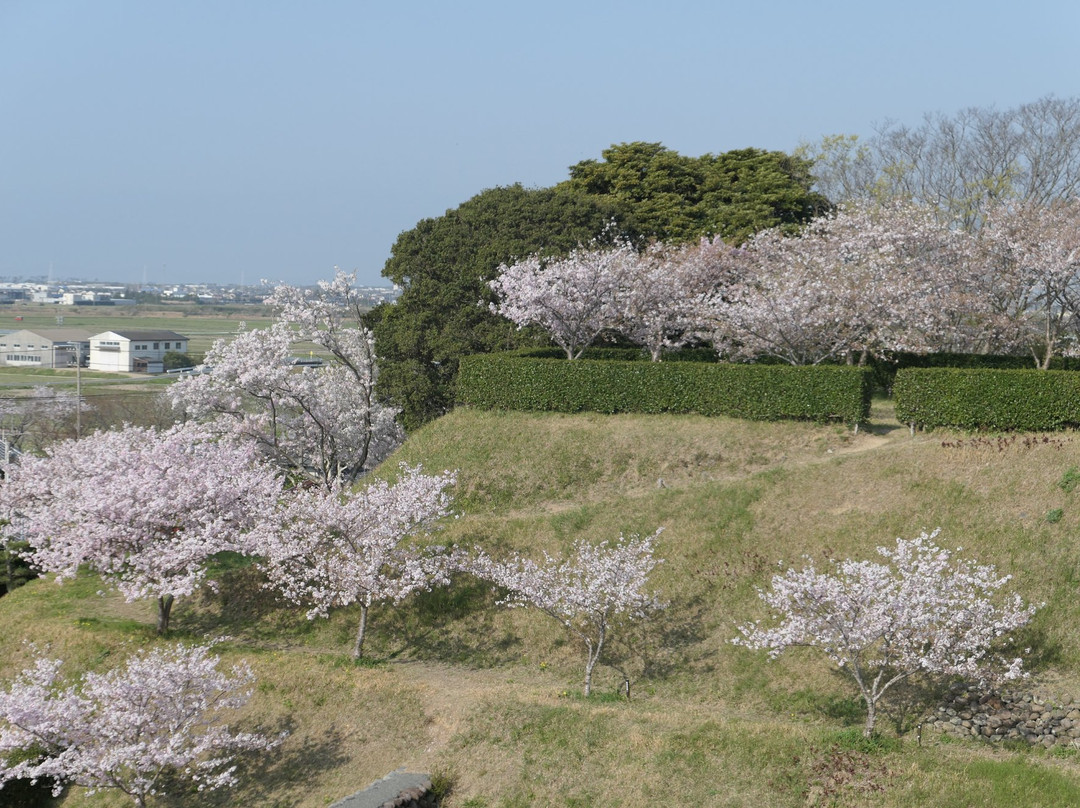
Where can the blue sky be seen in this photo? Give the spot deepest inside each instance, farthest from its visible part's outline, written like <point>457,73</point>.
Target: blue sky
<point>235,140</point>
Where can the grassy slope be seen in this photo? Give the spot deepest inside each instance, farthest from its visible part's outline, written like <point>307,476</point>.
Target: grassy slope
<point>489,697</point>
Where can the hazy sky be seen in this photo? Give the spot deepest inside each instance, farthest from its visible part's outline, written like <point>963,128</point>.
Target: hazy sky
<point>230,140</point>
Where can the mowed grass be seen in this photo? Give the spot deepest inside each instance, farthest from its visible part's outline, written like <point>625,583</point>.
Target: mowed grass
<point>489,700</point>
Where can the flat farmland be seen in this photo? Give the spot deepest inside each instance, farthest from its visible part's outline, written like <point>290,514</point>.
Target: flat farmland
<point>201,324</point>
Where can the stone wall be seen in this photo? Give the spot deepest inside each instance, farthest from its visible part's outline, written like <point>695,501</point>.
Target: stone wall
<point>399,789</point>
<point>1036,718</point>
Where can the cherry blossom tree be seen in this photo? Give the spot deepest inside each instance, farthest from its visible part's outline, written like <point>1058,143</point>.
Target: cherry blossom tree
<point>1029,259</point>
<point>322,422</point>
<point>39,418</point>
<point>659,298</point>
<point>145,509</point>
<point>572,298</point>
<point>865,280</point>
<point>587,593</point>
<point>329,548</point>
<point>921,611</point>
<point>156,715</point>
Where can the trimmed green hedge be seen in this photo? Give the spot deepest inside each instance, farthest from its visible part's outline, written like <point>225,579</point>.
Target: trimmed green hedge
<point>621,354</point>
<point>760,392</point>
<point>1025,400</point>
<point>885,370</point>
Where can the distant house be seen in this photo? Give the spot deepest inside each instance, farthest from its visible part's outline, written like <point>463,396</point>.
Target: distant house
<point>44,347</point>
<point>134,351</point>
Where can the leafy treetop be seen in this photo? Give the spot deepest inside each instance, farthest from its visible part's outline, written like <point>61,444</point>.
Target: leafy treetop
<point>671,197</point>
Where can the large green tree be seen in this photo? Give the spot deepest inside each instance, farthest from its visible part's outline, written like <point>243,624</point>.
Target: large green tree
<point>443,266</point>
<point>676,198</point>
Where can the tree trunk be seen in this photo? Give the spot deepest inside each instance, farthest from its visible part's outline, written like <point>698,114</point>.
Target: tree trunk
<point>9,582</point>
<point>593,658</point>
<point>164,609</point>
<point>358,647</point>
<point>1048,353</point>
<point>871,717</point>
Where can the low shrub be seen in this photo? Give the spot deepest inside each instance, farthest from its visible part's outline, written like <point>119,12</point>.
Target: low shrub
<point>758,392</point>
<point>885,369</point>
<point>1022,400</point>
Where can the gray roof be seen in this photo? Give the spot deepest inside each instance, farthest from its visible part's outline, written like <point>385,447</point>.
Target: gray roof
<point>143,336</point>
<point>58,334</point>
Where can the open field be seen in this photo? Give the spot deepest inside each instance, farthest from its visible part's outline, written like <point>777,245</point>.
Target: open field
<point>202,324</point>
<point>488,699</point>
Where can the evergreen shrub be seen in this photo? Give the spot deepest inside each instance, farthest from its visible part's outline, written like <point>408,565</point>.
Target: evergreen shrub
<point>1022,400</point>
<point>885,370</point>
<point>759,392</point>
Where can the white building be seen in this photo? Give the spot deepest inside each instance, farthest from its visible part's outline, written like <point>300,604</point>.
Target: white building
<point>134,351</point>
<point>44,347</point>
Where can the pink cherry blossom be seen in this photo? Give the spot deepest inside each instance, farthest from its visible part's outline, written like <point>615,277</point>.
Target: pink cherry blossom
<point>125,729</point>
<point>922,611</point>
<point>145,509</point>
<point>322,422</point>
<point>330,548</point>
<point>587,593</point>
<point>1028,256</point>
<point>572,298</point>
<point>864,280</point>
<point>660,295</point>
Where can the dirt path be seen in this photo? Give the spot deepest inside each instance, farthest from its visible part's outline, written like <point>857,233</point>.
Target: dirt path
<point>451,694</point>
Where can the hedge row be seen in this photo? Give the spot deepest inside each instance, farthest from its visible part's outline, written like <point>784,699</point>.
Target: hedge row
<point>760,392</point>
<point>885,370</point>
<point>621,354</point>
<point>1026,400</point>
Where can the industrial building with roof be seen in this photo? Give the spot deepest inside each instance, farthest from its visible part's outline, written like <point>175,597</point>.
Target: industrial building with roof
<point>136,351</point>
<point>44,347</point>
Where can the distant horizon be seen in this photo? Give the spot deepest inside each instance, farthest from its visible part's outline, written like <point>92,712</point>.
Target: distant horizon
<point>58,281</point>
<point>162,143</point>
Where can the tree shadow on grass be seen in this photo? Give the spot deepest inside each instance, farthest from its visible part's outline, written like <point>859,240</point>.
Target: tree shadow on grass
<point>1040,650</point>
<point>274,779</point>
<point>659,646</point>
<point>903,706</point>
<point>238,606</point>
<point>449,624</point>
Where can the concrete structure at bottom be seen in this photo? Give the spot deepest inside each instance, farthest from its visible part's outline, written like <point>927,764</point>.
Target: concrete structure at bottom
<point>399,789</point>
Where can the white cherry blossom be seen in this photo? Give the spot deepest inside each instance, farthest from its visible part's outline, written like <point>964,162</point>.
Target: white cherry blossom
<point>921,611</point>
<point>157,714</point>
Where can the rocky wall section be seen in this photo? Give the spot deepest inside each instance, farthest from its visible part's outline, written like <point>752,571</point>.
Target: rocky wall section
<point>1035,718</point>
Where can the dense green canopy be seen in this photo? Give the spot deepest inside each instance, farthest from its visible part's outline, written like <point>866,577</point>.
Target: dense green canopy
<point>443,266</point>
<point>677,198</point>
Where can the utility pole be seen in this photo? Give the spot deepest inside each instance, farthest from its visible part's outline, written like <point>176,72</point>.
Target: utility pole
<point>78,389</point>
